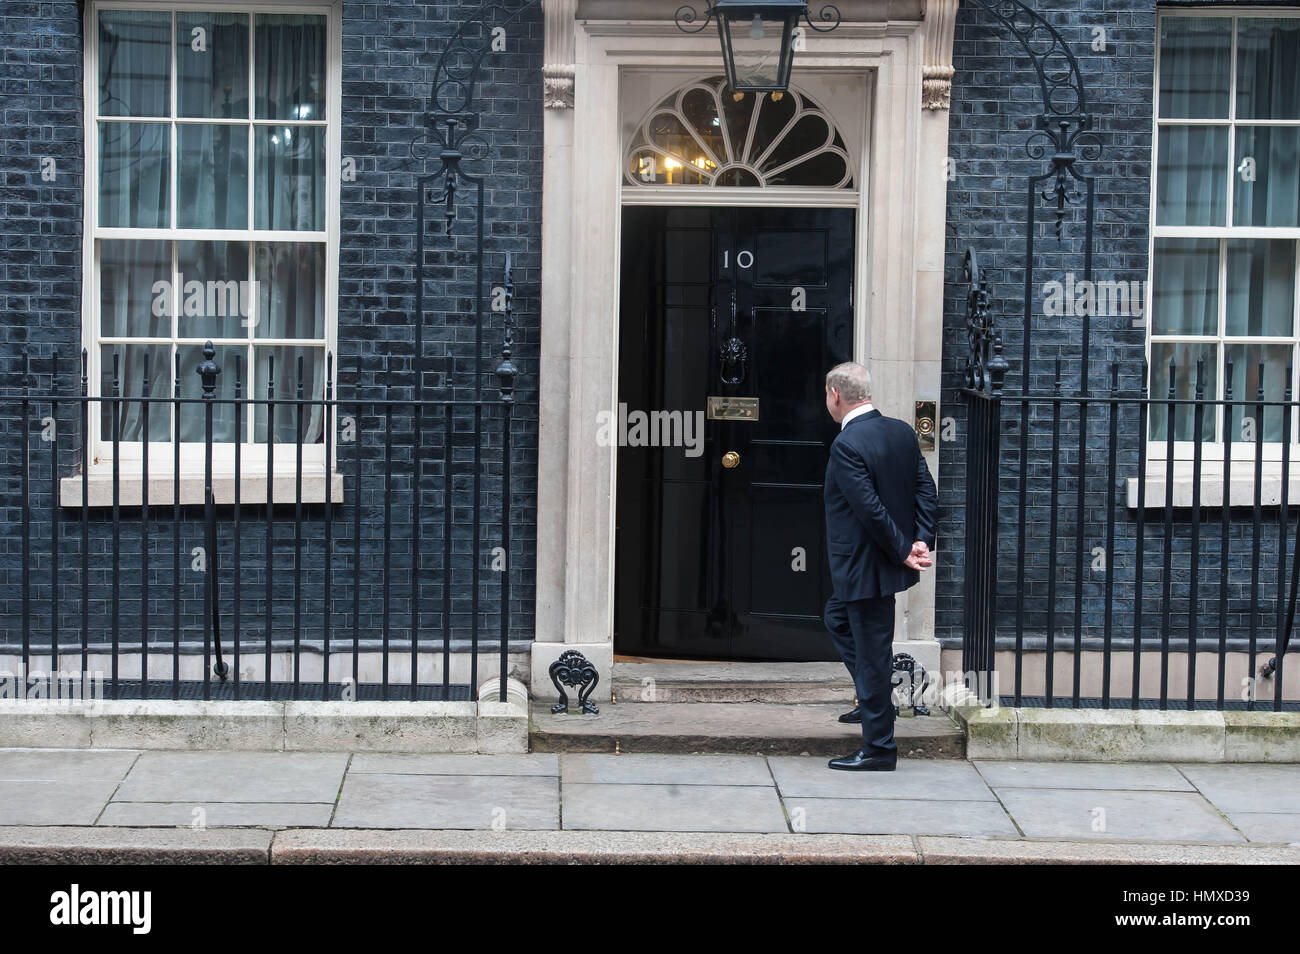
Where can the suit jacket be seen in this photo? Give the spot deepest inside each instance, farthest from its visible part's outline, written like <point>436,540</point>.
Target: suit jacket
<point>880,498</point>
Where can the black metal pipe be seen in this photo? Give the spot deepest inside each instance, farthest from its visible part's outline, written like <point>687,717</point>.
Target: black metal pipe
<point>1198,435</point>
<point>237,564</point>
<point>1050,675</point>
<point>297,537</point>
<point>1112,488</point>
<point>1256,521</point>
<point>144,531</point>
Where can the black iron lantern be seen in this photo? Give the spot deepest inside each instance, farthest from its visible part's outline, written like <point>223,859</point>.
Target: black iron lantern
<point>757,41</point>
<point>757,37</point>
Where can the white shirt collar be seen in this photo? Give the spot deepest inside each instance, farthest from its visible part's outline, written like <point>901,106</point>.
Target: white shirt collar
<point>856,412</point>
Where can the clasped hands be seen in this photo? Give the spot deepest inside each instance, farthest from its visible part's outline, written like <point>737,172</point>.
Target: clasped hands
<point>919,558</point>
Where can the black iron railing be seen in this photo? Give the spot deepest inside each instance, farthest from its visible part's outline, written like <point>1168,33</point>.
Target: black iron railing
<point>1105,575</point>
<point>396,588</point>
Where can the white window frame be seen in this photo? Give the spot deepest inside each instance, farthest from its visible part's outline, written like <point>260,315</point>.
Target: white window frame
<point>253,456</point>
<point>1212,448</point>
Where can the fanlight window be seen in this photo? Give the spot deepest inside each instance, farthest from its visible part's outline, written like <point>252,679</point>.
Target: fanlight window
<point>706,135</point>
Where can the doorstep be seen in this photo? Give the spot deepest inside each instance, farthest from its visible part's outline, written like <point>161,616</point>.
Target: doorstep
<point>732,682</point>
<point>759,728</point>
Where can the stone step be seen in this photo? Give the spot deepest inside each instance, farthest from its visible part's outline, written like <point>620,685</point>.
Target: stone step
<point>753,728</point>
<point>672,682</point>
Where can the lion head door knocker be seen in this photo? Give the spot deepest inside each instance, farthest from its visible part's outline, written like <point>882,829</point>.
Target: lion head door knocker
<point>732,359</point>
<point>909,678</point>
<point>733,356</point>
<point>573,669</point>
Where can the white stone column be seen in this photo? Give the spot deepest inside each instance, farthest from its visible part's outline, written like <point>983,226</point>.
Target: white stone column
<point>575,480</point>
<point>916,621</point>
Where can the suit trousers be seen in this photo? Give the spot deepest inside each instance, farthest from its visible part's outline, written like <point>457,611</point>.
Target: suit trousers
<point>863,633</point>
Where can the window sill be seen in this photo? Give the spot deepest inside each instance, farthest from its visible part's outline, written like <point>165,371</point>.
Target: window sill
<point>252,488</point>
<point>1240,494</point>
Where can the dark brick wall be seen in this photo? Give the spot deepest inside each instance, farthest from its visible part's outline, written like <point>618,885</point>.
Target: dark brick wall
<point>390,52</point>
<point>994,106</point>
<point>389,57</point>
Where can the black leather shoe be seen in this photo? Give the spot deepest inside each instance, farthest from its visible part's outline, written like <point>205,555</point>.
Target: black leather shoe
<point>855,716</point>
<point>860,762</point>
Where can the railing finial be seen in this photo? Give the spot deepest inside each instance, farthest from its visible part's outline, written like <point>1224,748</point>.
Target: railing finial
<point>208,371</point>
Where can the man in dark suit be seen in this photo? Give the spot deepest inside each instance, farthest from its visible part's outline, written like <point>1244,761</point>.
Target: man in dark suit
<point>880,515</point>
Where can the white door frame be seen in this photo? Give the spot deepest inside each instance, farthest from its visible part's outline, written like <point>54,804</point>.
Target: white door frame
<point>581,209</point>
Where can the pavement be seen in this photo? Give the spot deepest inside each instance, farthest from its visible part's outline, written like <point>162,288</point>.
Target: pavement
<point>260,807</point>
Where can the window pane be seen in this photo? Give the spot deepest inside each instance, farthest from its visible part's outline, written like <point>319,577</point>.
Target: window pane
<point>290,290</point>
<point>213,174</point>
<point>216,295</point>
<point>653,169</point>
<point>1245,360</point>
<point>1261,287</point>
<point>1267,190</point>
<point>1192,180</point>
<point>1185,287</point>
<point>290,178</point>
<point>131,360</point>
<point>135,280</point>
<point>134,175</point>
<point>822,169</point>
<point>193,424</point>
<point>134,63</point>
<point>1195,67</point>
<point>212,65</point>
<point>1184,356</point>
<point>285,388</point>
<point>290,70</point>
<point>1268,83</point>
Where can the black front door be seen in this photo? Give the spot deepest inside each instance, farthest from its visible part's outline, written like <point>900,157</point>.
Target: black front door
<point>729,321</point>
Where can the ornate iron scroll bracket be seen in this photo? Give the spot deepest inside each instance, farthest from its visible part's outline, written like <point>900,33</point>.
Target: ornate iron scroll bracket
<point>911,680</point>
<point>690,20</point>
<point>1065,139</point>
<point>1064,129</point>
<point>985,366</point>
<point>452,113</point>
<point>573,669</point>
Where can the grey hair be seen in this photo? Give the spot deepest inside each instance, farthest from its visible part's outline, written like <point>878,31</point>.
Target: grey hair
<point>852,380</point>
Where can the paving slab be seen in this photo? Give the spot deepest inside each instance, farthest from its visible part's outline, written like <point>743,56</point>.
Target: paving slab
<point>888,816</point>
<point>207,777</point>
<point>217,814</point>
<point>446,801</point>
<point>25,802</point>
<point>133,846</point>
<point>1248,786</point>
<point>1277,827</point>
<point>1115,815</point>
<point>666,769</point>
<point>914,778</point>
<point>365,763</point>
<point>336,846</point>
<point>1130,776</point>
<point>702,808</point>
<point>65,764</point>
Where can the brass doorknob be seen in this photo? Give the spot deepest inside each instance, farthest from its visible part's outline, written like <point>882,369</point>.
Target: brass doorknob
<point>730,459</point>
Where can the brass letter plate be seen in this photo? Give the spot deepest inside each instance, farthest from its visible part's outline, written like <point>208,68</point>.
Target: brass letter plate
<point>723,408</point>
